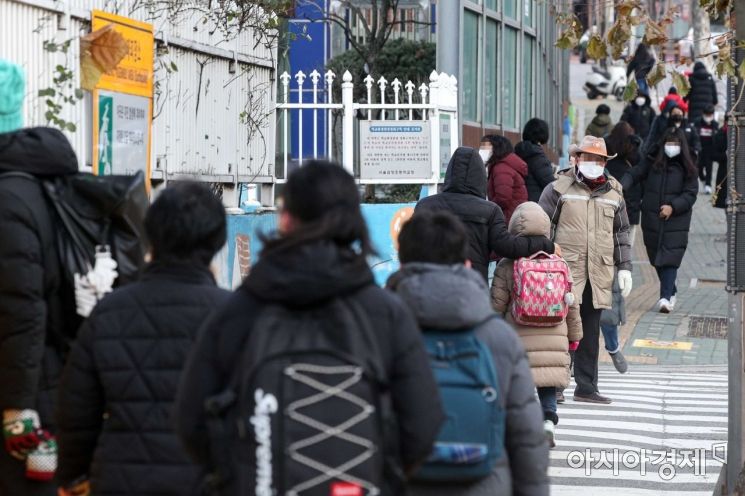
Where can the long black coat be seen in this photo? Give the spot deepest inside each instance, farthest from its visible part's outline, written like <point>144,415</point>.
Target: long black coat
<point>118,387</point>
<point>540,170</point>
<point>464,194</point>
<point>703,92</point>
<point>618,167</point>
<point>666,240</point>
<point>640,118</point>
<point>37,308</point>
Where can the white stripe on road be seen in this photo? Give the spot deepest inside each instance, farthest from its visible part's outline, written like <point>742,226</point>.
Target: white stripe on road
<point>651,400</point>
<point>646,406</point>
<point>563,454</point>
<point>579,412</point>
<point>643,426</point>
<point>633,474</point>
<point>658,394</point>
<point>679,443</point>
<point>617,491</point>
<point>658,382</point>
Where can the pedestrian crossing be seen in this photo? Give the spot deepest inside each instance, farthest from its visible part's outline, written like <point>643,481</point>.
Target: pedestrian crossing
<point>664,433</point>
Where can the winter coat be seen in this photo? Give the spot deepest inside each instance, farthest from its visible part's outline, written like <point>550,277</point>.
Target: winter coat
<point>703,92</point>
<point>673,97</point>
<point>307,277</point>
<point>540,170</point>
<point>600,126</point>
<point>665,240</point>
<point>640,65</point>
<point>660,125</point>
<point>617,168</point>
<point>617,314</point>
<point>118,387</point>
<point>546,346</point>
<point>706,133</point>
<point>594,239</point>
<point>453,298</point>
<point>507,184</point>
<point>640,118</point>
<point>464,195</point>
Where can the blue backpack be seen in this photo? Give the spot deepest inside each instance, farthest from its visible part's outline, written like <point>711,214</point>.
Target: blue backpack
<point>472,437</point>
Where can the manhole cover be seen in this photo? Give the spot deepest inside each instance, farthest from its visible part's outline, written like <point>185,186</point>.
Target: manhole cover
<point>708,327</point>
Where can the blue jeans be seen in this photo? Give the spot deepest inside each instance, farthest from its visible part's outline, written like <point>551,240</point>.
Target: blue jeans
<point>547,396</point>
<point>610,334</point>
<point>667,276</point>
<point>643,87</point>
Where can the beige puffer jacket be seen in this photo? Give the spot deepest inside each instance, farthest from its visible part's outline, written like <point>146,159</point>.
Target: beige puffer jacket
<point>546,346</point>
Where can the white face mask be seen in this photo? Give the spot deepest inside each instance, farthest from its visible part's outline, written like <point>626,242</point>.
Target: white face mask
<point>591,170</point>
<point>672,150</point>
<point>640,101</point>
<point>708,119</point>
<point>485,154</point>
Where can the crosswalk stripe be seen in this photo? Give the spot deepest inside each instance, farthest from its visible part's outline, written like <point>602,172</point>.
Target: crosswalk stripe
<point>655,400</point>
<point>574,490</point>
<point>563,454</point>
<point>633,474</point>
<point>652,416</point>
<point>643,426</point>
<point>642,407</point>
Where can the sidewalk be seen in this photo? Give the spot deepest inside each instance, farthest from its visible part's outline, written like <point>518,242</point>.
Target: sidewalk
<point>696,332</point>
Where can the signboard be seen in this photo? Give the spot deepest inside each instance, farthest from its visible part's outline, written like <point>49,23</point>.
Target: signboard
<point>445,143</point>
<point>134,74</point>
<point>395,150</point>
<point>121,133</point>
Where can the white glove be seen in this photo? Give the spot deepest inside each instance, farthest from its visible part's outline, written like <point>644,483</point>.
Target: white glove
<point>624,282</point>
<point>104,274</point>
<point>85,295</point>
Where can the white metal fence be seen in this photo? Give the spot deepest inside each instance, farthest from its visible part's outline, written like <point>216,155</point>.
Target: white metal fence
<point>426,103</point>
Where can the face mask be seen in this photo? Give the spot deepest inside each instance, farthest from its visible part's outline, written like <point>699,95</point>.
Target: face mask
<point>708,119</point>
<point>640,101</point>
<point>672,150</point>
<point>591,170</point>
<point>485,155</point>
<point>676,119</point>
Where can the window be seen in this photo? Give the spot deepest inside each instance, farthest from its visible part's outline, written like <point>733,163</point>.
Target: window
<point>490,72</point>
<point>511,8</point>
<point>491,4</point>
<point>470,66</point>
<point>527,99</point>
<point>528,12</point>
<point>509,78</point>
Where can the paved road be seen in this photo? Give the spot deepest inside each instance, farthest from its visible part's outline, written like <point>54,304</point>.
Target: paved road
<point>673,418</point>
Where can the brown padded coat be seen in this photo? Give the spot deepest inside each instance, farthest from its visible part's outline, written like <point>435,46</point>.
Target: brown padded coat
<point>546,346</point>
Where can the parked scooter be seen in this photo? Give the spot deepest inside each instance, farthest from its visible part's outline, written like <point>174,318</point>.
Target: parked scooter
<point>604,82</point>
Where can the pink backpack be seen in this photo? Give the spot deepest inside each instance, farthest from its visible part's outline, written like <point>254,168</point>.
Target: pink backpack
<point>542,290</point>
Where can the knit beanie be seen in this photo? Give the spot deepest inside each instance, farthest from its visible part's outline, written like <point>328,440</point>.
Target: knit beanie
<point>12,91</point>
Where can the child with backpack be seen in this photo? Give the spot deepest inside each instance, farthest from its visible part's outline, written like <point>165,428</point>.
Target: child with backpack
<point>535,295</point>
<point>492,441</point>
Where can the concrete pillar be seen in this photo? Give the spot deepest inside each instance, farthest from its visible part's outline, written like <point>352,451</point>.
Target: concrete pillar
<point>449,37</point>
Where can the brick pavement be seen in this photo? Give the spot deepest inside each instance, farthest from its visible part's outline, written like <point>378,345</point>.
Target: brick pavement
<point>700,293</point>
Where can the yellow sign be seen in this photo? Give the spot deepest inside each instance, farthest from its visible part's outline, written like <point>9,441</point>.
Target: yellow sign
<point>663,345</point>
<point>134,74</point>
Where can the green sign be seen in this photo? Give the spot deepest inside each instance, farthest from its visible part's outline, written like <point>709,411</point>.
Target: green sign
<point>105,134</point>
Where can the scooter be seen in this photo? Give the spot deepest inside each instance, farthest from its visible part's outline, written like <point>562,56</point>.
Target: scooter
<point>604,82</point>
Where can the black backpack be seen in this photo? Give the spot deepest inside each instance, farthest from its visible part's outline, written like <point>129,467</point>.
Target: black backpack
<point>307,410</point>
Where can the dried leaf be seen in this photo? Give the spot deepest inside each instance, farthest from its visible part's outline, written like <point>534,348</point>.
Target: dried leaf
<point>741,70</point>
<point>624,9</point>
<point>656,75</point>
<point>572,33</point>
<point>596,48</point>
<point>725,63</point>
<point>618,36</point>
<point>629,93</point>
<point>681,83</point>
<point>654,34</point>
<point>100,52</point>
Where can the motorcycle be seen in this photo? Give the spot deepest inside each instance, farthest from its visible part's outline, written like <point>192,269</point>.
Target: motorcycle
<point>604,82</point>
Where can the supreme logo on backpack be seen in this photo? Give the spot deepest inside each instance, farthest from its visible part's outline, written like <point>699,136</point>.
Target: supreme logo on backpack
<point>311,406</point>
<point>541,291</point>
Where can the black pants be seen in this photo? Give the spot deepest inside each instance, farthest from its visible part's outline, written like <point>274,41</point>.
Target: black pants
<point>705,166</point>
<point>586,356</point>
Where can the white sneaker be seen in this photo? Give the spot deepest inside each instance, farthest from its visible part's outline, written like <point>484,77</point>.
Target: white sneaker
<point>664,306</point>
<point>548,428</point>
<point>674,300</point>
<point>707,190</point>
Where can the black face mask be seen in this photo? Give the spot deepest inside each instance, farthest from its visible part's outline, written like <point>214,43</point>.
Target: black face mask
<point>676,118</point>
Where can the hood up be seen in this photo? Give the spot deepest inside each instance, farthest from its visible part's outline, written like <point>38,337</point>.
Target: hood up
<point>527,150</point>
<point>466,173</point>
<point>529,219</point>
<point>515,163</point>
<point>40,151</point>
<point>700,72</point>
<point>443,297</point>
<point>308,274</point>
<point>601,120</point>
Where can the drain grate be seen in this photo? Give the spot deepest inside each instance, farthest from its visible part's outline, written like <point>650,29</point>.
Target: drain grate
<point>708,327</point>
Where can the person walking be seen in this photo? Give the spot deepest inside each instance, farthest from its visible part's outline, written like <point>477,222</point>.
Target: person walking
<point>703,92</point>
<point>130,353</point>
<point>639,114</point>
<point>706,127</point>
<point>530,149</point>
<point>548,346</point>
<point>311,290</point>
<point>464,194</point>
<point>505,174</point>
<point>601,124</point>
<point>588,214</point>
<point>447,298</point>
<point>670,182</point>
<point>641,64</point>
<point>37,306</point>
<point>672,117</point>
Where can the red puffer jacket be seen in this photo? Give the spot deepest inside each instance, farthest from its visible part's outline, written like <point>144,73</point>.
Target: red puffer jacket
<point>506,185</point>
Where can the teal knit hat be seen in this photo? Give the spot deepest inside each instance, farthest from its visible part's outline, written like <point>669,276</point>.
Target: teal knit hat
<point>12,91</point>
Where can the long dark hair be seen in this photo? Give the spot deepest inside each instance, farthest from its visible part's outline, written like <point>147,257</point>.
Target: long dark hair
<point>679,136</point>
<point>618,140</point>
<point>324,199</point>
<point>501,147</point>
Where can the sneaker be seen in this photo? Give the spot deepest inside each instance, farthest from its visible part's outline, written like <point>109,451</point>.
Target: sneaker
<point>560,397</point>
<point>674,300</point>
<point>619,362</point>
<point>664,306</point>
<point>592,398</point>
<point>549,428</point>
<point>707,189</point>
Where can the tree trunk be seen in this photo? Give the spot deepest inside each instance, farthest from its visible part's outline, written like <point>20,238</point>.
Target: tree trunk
<point>701,35</point>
